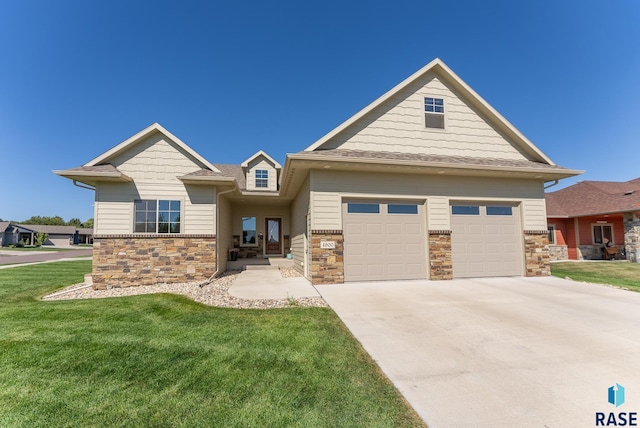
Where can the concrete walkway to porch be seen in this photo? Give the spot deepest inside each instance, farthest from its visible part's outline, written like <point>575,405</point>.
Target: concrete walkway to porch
<point>264,281</point>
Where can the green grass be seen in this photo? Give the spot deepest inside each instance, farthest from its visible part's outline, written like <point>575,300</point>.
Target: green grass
<point>619,274</point>
<point>164,360</point>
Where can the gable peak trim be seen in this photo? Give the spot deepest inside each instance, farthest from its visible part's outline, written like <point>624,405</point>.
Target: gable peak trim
<point>135,139</point>
<point>438,67</point>
<point>259,153</point>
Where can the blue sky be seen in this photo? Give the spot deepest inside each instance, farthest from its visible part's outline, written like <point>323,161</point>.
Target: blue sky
<point>231,77</point>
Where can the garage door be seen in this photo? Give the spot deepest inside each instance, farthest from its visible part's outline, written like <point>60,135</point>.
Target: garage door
<point>383,240</point>
<point>486,240</point>
<point>59,240</point>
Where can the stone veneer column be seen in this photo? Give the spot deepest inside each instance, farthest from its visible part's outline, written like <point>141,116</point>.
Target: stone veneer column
<point>327,264</point>
<point>632,236</point>
<point>137,259</point>
<point>536,252</point>
<point>440,262</point>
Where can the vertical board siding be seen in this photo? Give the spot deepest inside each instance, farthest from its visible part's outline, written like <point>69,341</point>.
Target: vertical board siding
<point>400,120</point>
<point>299,238</point>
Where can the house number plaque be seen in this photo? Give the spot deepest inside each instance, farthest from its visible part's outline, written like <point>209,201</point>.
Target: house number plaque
<point>331,245</point>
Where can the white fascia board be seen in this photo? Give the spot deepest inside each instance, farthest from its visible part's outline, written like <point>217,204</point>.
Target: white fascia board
<point>156,127</point>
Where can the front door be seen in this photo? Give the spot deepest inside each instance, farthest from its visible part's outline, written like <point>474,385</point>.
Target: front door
<point>274,238</point>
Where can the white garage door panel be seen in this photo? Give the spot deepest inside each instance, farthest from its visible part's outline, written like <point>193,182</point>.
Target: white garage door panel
<point>486,245</point>
<point>379,246</point>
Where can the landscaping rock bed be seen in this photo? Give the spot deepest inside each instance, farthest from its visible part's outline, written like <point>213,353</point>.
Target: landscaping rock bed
<point>213,294</point>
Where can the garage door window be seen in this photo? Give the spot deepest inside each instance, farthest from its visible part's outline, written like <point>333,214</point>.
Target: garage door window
<point>360,208</point>
<point>402,209</point>
<point>465,209</point>
<point>499,210</point>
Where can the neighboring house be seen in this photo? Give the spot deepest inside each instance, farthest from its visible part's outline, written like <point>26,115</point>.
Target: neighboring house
<point>581,216</point>
<point>59,236</point>
<point>428,181</point>
<point>11,234</point>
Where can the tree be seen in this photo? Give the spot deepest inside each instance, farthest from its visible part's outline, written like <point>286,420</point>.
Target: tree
<point>74,222</point>
<point>48,221</point>
<point>41,238</point>
<point>88,223</point>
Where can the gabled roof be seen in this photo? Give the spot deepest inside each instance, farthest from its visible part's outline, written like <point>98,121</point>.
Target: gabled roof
<point>259,153</point>
<point>49,229</point>
<point>90,174</point>
<point>594,198</point>
<point>438,67</point>
<point>126,144</point>
<point>4,225</point>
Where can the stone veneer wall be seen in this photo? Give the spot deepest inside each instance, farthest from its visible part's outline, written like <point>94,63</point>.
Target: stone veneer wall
<point>141,259</point>
<point>327,265</point>
<point>536,252</point>
<point>558,252</point>
<point>440,262</point>
<point>632,237</point>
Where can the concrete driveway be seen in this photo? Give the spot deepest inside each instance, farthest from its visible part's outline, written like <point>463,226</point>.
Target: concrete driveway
<point>499,352</point>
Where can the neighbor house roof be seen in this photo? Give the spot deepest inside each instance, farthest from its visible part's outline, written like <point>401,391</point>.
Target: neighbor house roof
<point>51,230</point>
<point>438,67</point>
<point>4,225</point>
<point>594,198</point>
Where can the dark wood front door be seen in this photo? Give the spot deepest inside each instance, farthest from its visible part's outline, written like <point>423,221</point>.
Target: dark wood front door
<point>274,236</point>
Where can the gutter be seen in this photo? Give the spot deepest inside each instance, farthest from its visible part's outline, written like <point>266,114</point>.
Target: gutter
<point>555,182</point>
<point>75,183</point>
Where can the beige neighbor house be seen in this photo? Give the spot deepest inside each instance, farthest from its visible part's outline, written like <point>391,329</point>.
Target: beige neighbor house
<point>428,182</point>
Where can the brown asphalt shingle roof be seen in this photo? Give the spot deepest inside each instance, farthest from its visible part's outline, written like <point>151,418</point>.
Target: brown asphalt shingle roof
<point>98,168</point>
<point>594,197</point>
<point>461,160</point>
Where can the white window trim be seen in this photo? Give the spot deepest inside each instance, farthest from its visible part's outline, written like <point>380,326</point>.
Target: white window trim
<point>552,228</point>
<point>444,117</point>
<point>242,230</point>
<point>133,207</point>
<point>593,235</point>
<point>255,178</point>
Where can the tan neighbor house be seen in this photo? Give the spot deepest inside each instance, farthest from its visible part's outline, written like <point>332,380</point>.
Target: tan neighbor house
<point>428,182</point>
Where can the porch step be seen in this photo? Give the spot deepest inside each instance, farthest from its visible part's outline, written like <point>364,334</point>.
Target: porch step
<point>260,267</point>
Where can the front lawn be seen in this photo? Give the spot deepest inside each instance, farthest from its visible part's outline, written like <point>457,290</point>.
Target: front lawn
<point>164,360</point>
<point>620,274</point>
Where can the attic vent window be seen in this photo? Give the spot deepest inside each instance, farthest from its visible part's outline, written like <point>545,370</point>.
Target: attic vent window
<point>434,113</point>
<point>629,192</point>
<point>262,178</point>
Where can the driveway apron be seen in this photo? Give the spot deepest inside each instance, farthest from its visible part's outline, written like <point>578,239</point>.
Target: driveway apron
<point>499,352</point>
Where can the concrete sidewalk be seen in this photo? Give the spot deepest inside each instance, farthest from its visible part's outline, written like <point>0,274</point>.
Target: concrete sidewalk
<point>266,282</point>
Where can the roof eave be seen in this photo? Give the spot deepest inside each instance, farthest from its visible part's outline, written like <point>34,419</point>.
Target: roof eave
<point>212,180</point>
<point>91,178</point>
<point>547,173</point>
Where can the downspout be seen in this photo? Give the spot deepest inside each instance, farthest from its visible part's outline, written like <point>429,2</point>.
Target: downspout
<point>551,185</point>
<point>75,183</point>
<point>217,272</point>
